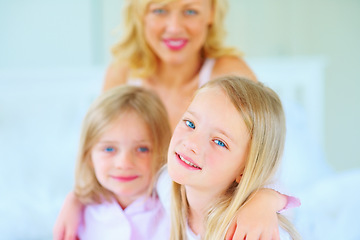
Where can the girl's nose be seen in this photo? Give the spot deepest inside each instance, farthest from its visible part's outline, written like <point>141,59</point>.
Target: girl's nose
<point>124,160</point>
<point>193,142</point>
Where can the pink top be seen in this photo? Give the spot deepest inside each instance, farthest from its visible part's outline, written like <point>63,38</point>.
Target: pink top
<point>204,74</point>
<point>143,219</point>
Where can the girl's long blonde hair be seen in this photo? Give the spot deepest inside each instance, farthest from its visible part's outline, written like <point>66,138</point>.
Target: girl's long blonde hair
<point>102,113</point>
<point>262,112</point>
<point>133,49</point>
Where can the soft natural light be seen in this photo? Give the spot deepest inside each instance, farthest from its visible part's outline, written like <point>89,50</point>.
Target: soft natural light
<point>52,65</point>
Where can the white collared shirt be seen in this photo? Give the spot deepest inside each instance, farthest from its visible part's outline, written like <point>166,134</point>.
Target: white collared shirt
<point>143,219</point>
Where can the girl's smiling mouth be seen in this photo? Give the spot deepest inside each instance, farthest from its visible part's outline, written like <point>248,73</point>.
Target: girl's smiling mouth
<point>187,163</point>
<point>125,178</point>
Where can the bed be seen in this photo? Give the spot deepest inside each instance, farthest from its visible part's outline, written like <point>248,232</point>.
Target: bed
<point>40,117</point>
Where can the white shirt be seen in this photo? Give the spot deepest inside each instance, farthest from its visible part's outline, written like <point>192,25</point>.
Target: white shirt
<point>142,220</point>
<point>164,191</point>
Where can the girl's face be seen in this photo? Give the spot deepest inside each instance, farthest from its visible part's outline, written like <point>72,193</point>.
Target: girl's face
<point>122,158</point>
<point>209,146</point>
<point>177,31</point>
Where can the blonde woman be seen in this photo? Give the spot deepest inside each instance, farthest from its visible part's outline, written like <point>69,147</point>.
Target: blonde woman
<point>173,47</point>
<point>227,146</point>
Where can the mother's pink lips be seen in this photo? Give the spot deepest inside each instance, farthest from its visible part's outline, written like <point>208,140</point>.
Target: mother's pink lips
<point>175,44</point>
<point>125,178</point>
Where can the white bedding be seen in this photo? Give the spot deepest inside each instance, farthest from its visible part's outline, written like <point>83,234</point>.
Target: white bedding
<point>40,117</point>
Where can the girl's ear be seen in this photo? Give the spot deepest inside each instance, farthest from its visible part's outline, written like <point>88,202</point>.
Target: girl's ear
<point>238,178</point>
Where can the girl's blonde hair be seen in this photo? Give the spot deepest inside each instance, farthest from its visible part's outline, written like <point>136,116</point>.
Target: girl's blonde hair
<point>134,50</point>
<point>105,111</point>
<point>262,112</point>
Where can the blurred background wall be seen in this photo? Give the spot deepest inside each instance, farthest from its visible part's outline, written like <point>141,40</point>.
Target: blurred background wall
<point>327,28</point>
<point>38,33</point>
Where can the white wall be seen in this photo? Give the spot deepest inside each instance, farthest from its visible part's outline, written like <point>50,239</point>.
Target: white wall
<point>40,33</point>
<point>329,29</point>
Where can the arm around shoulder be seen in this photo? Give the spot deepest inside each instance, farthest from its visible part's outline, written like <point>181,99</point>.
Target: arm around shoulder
<point>69,218</point>
<point>258,217</point>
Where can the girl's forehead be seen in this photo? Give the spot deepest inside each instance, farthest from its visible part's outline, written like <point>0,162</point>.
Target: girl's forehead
<point>214,99</point>
<point>131,116</point>
<point>127,122</point>
<point>212,91</point>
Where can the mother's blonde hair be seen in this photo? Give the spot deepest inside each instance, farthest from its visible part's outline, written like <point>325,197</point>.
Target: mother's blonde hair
<point>134,50</point>
<point>262,112</point>
<point>106,109</point>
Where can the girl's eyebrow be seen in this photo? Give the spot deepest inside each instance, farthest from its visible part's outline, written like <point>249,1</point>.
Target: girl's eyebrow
<point>226,134</point>
<point>141,141</point>
<point>106,143</point>
<point>191,112</point>
<point>219,130</point>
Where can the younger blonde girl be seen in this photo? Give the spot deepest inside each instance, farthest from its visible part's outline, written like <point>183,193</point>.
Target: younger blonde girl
<point>123,144</point>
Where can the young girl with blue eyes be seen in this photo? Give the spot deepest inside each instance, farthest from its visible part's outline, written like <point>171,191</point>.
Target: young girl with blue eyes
<point>123,144</point>
<point>226,147</point>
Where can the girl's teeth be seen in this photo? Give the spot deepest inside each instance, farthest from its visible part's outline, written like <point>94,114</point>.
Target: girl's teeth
<point>187,162</point>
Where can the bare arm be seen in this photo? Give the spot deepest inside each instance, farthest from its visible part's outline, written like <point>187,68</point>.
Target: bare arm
<point>258,219</point>
<point>116,75</point>
<point>69,218</point>
<point>232,66</point>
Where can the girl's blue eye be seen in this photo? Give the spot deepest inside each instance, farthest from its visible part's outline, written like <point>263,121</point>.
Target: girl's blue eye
<point>220,143</point>
<point>190,12</point>
<point>143,149</point>
<point>109,149</point>
<point>190,124</point>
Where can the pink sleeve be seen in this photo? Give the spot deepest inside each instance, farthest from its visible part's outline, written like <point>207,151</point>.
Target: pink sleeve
<point>292,202</point>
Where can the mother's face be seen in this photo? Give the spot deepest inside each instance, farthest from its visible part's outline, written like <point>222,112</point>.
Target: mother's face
<point>177,31</point>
